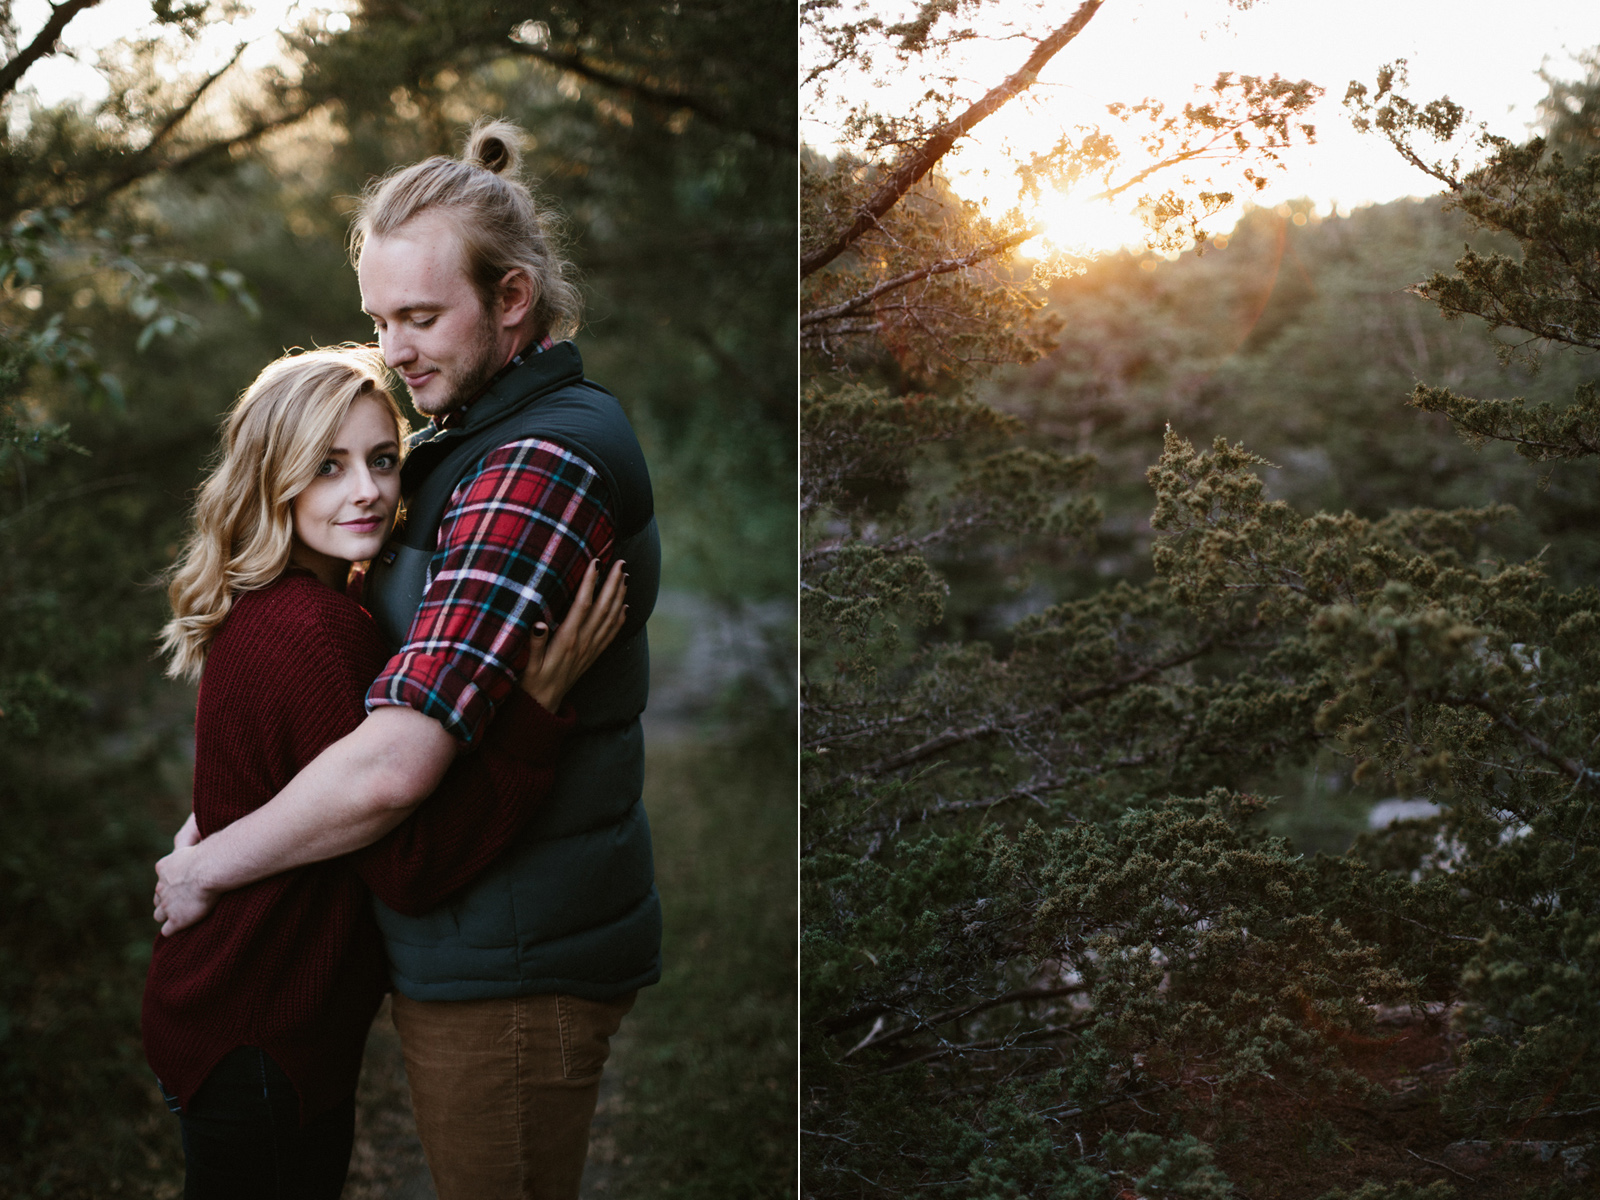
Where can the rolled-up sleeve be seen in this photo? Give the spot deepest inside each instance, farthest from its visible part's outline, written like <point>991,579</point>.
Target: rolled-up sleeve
<point>512,549</point>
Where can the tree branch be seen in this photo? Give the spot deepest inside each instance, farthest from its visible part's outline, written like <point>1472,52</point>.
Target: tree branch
<point>845,307</point>
<point>966,1010</point>
<point>1073,699</point>
<point>926,156</point>
<point>1570,767</point>
<point>43,45</point>
<point>955,737</point>
<point>1170,161</point>
<point>137,165</point>
<point>210,150</point>
<point>943,741</point>
<point>1005,1043</point>
<point>653,93</point>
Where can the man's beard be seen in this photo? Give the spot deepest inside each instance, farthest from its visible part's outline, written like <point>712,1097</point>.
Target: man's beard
<point>482,364</point>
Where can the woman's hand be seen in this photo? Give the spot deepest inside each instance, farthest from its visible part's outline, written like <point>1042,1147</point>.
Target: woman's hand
<point>188,835</point>
<point>555,663</point>
<point>182,895</point>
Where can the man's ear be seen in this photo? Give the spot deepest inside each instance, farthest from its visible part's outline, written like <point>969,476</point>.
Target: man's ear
<point>518,295</point>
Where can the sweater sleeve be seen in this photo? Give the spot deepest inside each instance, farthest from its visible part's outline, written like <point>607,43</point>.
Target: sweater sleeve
<point>477,809</point>
<point>318,653</point>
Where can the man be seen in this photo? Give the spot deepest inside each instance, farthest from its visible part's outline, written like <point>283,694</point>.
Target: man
<point>507,997</point>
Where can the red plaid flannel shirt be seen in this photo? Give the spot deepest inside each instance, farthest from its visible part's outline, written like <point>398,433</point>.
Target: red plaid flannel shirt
<point>512,550</point>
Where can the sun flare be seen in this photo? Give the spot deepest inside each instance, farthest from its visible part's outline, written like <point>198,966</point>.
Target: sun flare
<point>1083,226</point>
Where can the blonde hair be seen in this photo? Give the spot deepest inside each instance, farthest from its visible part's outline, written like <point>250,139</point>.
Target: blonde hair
<point>273,442</point>
<point>502,227</point>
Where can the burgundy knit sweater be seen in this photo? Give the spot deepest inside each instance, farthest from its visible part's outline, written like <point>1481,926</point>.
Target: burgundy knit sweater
<point>294,964</point>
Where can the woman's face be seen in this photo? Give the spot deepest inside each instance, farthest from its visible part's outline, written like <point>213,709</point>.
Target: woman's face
<point>345,513</point>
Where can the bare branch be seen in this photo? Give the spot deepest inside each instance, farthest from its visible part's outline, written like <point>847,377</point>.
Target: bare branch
<point>845,307</point>
<point>1171,160</point>
<point>654,93</point>
<point>138,165</point>
<point>966,1010</point>
<point>43,45</point>
<point>210,150</point>
<point>926,156</point>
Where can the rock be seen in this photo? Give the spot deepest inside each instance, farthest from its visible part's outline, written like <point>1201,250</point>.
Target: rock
<point>1574,1164</point>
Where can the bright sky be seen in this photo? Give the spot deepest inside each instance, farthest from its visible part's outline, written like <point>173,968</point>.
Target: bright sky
<point>72,75</point>
<point>1484,54</point>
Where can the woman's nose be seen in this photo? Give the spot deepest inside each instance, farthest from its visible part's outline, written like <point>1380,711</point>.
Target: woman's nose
<point>364,486</point>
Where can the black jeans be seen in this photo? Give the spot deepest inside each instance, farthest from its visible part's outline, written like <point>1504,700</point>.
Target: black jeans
<point>242,1137</point>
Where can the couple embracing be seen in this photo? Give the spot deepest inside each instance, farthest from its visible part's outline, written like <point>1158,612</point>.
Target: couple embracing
<point>413,778</point>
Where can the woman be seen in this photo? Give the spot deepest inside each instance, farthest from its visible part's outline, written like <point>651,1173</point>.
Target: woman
<point>255,1018</point>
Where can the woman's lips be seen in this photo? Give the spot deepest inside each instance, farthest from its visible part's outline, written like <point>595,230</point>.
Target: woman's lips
<point>362,525</point>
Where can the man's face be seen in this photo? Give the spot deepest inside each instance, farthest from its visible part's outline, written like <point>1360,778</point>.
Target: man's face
<point>432,325</point>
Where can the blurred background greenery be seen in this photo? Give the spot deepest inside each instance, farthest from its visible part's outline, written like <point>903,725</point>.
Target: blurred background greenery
<point>163,243</point>
<point>1299,336</point>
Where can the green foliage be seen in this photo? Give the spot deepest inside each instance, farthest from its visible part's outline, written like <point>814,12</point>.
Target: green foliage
<point>866,560</point>
<point>1163,1167</point>
<point>1042,905</point>
<point>1545,201</point>
<point>932,280</point>
<point>1532,1013</point>
<point>152,262</point>
<point>80,1116</point>
<point>1170,947</point>
<point>1305,336</point>
<point>708,1088</point>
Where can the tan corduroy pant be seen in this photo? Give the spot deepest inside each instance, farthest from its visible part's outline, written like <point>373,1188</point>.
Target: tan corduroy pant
<point>504,1090</point>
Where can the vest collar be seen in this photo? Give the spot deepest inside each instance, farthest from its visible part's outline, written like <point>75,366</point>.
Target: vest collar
<point>513,389</point>
<point>518,384</point>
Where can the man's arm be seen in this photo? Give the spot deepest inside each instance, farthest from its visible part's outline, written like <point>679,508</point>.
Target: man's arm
<point>512,550</point>
<point>350,795</point>
<point>483,801</point>
<point>487,797</point>
<point>515,544</point>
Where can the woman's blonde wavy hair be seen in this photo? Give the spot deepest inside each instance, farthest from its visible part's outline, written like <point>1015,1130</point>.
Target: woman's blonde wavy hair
<point>277,436</point>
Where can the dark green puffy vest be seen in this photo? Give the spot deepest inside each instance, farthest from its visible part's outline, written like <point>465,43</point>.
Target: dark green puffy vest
<point>571,905</point>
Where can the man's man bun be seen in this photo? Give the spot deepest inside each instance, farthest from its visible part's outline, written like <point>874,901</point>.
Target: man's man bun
<point>495,145</point>
<point>502,227</point>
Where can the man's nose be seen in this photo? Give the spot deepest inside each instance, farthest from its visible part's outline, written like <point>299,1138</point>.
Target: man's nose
<point>397,348</point>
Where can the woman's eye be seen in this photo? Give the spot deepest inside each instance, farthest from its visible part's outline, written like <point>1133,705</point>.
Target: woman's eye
<point>328,467</point>
<point>384,462</point>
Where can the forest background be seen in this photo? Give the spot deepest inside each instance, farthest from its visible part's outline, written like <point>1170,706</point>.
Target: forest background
<point>1193,817</point>
<point>157,248</point>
